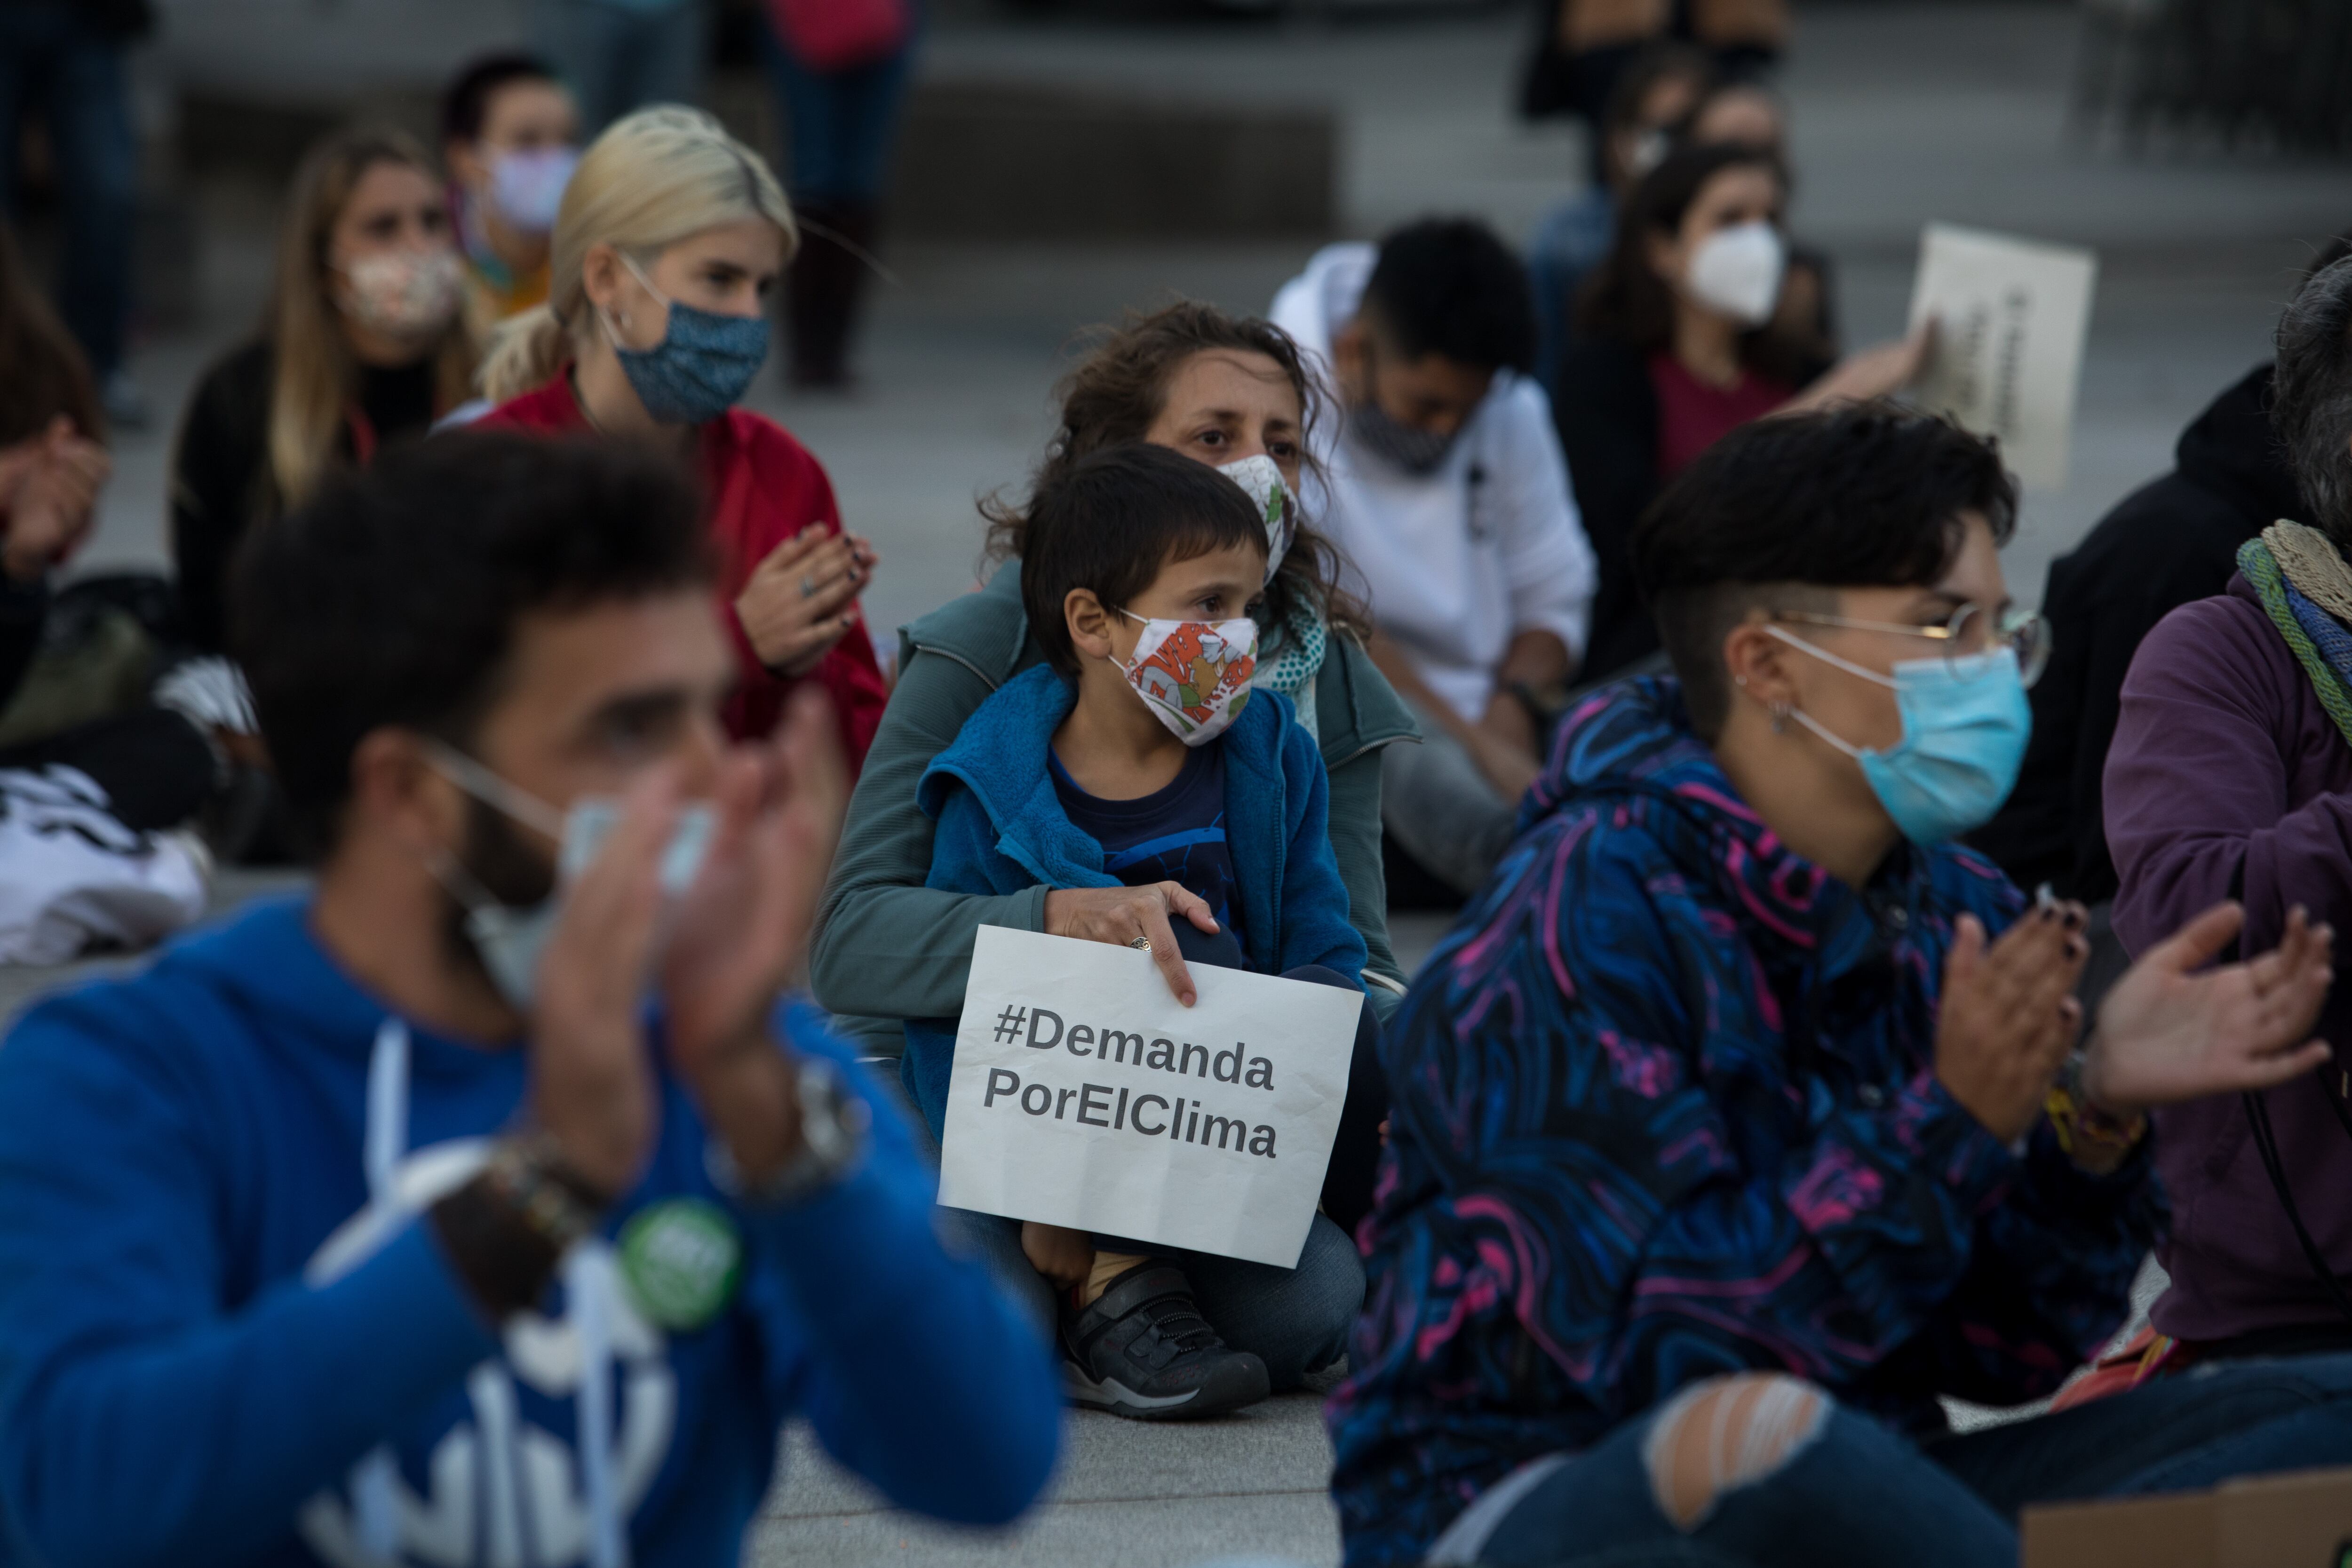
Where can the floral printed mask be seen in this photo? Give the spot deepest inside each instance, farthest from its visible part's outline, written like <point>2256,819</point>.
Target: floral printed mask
<point>1194,676</point>
<point>1261,479</point>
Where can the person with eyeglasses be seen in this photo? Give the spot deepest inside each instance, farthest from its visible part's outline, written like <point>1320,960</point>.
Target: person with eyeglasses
<point>1743,1116</point>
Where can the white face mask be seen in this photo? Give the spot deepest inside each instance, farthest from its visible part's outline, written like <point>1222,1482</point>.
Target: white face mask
<point>1261,479</point>
<point>1738,270</point>
<point>510,939</point>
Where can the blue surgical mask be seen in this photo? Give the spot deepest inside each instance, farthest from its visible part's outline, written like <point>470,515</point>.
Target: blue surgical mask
<point>703,363</point>
<point>510,939</point>
<point>1965,724</point>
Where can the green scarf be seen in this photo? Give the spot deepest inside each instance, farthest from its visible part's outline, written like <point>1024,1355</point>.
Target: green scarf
<point>2261,569</point>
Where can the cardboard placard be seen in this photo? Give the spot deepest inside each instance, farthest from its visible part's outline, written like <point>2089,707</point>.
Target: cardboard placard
<point>1085,1095</point>
<point>2011,316</point>
<point>2299,1520</point>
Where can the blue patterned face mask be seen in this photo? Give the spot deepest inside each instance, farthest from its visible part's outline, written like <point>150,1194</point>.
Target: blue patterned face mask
<point>703,363</point>
<point>1965,724</point>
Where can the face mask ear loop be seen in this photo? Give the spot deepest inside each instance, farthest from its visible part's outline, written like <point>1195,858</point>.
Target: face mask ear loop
<point>491,790</point>
<point>1826,657</point>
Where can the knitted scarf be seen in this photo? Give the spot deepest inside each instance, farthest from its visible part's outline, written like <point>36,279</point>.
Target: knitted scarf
<point>2304,584</point>
<point>1290,665</point>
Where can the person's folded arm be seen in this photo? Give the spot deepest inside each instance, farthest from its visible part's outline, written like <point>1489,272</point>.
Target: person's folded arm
<point>887,946</point>
<point>1315,902</point>
<point>920,1373</point>
<point>1354,825</point>
<point>142,1419</point>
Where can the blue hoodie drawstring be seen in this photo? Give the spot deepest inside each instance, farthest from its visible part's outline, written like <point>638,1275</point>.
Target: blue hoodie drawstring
<point>375,1497</point>
<point>587,1286</point>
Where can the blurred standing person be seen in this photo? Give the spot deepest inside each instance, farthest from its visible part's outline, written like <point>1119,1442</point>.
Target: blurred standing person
<point>509,139</point>
<point>622,54</point>
<point>364,344</point>
<point>1588,46</point>
<point>64,59</point>
<point>1679,344</point>
<point>2230,776</point>
<point>840,69</point>
<point>1442,485</point>
<point>671,238</point>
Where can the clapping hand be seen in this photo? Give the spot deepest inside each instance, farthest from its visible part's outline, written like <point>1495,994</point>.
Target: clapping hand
<point>2009,1018</point>
<point>741,931</point>
<point>2169,1033</point>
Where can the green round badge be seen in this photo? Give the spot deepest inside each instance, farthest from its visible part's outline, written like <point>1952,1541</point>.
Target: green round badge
<point>682,1259</point>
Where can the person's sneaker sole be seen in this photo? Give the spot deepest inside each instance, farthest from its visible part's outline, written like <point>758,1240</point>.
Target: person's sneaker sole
<point>1239,1384</point>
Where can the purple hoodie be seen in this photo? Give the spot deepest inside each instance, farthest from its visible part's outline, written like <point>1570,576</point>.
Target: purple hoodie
<point>2226,779</point>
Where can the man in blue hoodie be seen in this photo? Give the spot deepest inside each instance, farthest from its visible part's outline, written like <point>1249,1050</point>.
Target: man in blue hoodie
<point>487,1205</point>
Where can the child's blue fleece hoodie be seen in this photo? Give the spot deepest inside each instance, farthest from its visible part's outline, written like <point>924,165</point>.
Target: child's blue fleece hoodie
<point>185,1380</point>
<point>1001,828</point>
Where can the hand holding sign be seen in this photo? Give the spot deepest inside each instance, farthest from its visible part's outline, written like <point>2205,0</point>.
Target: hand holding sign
<point>1084,1095</point>
<point>1124,916</point>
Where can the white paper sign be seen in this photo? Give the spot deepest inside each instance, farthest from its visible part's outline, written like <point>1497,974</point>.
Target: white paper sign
<point>1085,1095</point>
<point>2012,316</point>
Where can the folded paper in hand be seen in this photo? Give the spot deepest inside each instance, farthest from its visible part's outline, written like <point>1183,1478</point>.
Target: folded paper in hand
<point>1083,1094</point>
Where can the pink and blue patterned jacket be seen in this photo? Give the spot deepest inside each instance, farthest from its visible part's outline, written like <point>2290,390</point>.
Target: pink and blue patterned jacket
<point>1665,1107</point>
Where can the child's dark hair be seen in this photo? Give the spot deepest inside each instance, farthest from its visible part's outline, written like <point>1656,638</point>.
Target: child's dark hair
<point>1109,522</point>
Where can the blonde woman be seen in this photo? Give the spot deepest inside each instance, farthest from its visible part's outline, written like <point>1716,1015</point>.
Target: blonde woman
<point>362,344</point>
<point>670,239</point>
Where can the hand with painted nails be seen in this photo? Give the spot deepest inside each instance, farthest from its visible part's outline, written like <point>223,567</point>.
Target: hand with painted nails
<point>2173,1029</point>
<point>802,598</point>
<point>2008,1018</point>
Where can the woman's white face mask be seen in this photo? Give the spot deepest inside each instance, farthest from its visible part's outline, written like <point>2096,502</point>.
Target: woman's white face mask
<point>1737,271</point>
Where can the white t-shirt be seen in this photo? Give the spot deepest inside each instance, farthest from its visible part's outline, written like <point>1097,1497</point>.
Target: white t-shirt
<point>1454,563</point>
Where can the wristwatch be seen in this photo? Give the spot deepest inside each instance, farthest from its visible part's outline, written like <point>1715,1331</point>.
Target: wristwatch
<point>834,1125</point>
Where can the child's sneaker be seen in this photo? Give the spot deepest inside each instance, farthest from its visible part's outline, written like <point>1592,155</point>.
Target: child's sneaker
<point>1144,1351</point>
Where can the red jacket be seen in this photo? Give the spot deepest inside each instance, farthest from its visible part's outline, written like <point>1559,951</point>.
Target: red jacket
<point>760,487</point>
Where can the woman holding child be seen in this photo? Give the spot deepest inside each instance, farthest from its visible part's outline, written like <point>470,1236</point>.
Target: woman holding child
<point>670,239</point>
<point>894,943</point>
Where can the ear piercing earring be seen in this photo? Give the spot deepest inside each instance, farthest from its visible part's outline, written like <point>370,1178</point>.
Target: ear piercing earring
<point>1779,717</point>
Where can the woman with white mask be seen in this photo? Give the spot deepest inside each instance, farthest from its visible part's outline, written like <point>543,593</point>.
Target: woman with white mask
<point>511,137</point>
<point>363,343</point>
<point>1680,342</point>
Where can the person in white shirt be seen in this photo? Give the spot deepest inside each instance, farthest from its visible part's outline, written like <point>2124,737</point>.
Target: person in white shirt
<point>1444,487</point>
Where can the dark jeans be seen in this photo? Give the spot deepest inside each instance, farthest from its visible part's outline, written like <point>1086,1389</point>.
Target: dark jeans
<point>55,59</point>
<point>1856,1494</point>
<point>842,122</point>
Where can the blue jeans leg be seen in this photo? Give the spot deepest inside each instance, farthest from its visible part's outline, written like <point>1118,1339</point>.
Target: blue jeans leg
<point>843,123</point>
<point>2178,1434</point>
<point>1853,1495</point>
<point>1294,1319</point>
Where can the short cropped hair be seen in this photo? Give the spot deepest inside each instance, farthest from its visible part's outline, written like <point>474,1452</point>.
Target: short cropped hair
<point>2311,397</point>
<point>1449,287</point>
<point>465,107</point>
<point>1110,521</point>
<point>1865,496</point>
<point>392,597</point>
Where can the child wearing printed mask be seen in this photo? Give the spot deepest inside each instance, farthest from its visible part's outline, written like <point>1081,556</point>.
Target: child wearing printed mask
<point>1141,755</point>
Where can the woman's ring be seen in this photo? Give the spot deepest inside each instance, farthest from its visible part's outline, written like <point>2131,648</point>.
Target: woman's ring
<point>808,587</point>
<point>1141,942</point>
